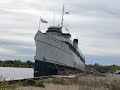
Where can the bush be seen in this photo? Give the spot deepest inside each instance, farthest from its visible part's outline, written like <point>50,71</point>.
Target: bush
<point>40,84</point>
<point>29,82</point>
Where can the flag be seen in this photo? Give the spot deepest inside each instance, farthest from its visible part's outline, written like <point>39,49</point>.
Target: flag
<point>66,12</point>
<point>67,30</point>
<point>43,21</point>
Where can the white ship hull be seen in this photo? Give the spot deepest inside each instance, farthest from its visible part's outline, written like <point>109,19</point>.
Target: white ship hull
<point>55,53</point>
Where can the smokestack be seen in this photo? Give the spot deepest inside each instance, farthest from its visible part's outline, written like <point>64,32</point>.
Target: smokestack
<point>75,41</point>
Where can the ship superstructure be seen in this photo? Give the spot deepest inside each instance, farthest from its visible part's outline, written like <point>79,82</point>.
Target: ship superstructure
<point>55,51</point>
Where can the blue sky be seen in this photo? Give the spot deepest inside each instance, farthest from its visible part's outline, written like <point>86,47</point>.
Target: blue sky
<point>96,23</point>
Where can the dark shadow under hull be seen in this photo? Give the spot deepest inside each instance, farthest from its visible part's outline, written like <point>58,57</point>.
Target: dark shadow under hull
<point>42,68</point>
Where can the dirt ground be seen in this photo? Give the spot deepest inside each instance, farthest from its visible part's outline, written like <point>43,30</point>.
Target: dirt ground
<point>61,87</point>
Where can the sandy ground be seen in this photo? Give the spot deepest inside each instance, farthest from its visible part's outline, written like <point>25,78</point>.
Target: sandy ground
<point>61,87</point>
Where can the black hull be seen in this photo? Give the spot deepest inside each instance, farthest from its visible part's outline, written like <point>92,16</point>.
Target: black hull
<point>45,68</point>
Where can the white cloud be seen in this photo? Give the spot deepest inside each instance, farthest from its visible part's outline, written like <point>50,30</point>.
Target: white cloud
<point>5,51</point>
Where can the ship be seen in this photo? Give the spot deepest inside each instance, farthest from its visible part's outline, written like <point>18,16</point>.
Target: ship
<point>56,52</point>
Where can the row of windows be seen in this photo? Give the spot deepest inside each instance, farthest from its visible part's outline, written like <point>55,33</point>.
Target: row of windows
<point>76,52</point>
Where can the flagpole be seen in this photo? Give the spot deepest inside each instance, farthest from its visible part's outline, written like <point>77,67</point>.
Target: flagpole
<point>62,18</point>
<point>54,19</point>
<point>39,22</point>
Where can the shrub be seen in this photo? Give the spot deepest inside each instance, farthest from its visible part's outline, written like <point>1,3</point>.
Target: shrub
<point>29,82</point>
<point>40,84</point>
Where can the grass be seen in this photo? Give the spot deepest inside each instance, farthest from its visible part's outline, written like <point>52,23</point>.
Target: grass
<point>5,85</point>
<point>78,82</point>
<point>31,82</point>
<point>89,84</point>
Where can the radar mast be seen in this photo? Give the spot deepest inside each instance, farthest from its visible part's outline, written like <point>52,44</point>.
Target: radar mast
<point>62,18</point>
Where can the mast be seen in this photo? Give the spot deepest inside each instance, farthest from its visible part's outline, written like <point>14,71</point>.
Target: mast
<point>54,19</point>
<point>39,22</point>
<point>62,18</point>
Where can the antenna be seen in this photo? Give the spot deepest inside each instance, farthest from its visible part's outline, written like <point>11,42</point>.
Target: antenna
<point>67,30</point>
<point>39,22</point>
<point>62,18</point>
<point>54,19</point>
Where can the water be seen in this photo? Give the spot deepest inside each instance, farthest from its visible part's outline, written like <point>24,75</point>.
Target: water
<point>10,73</point>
